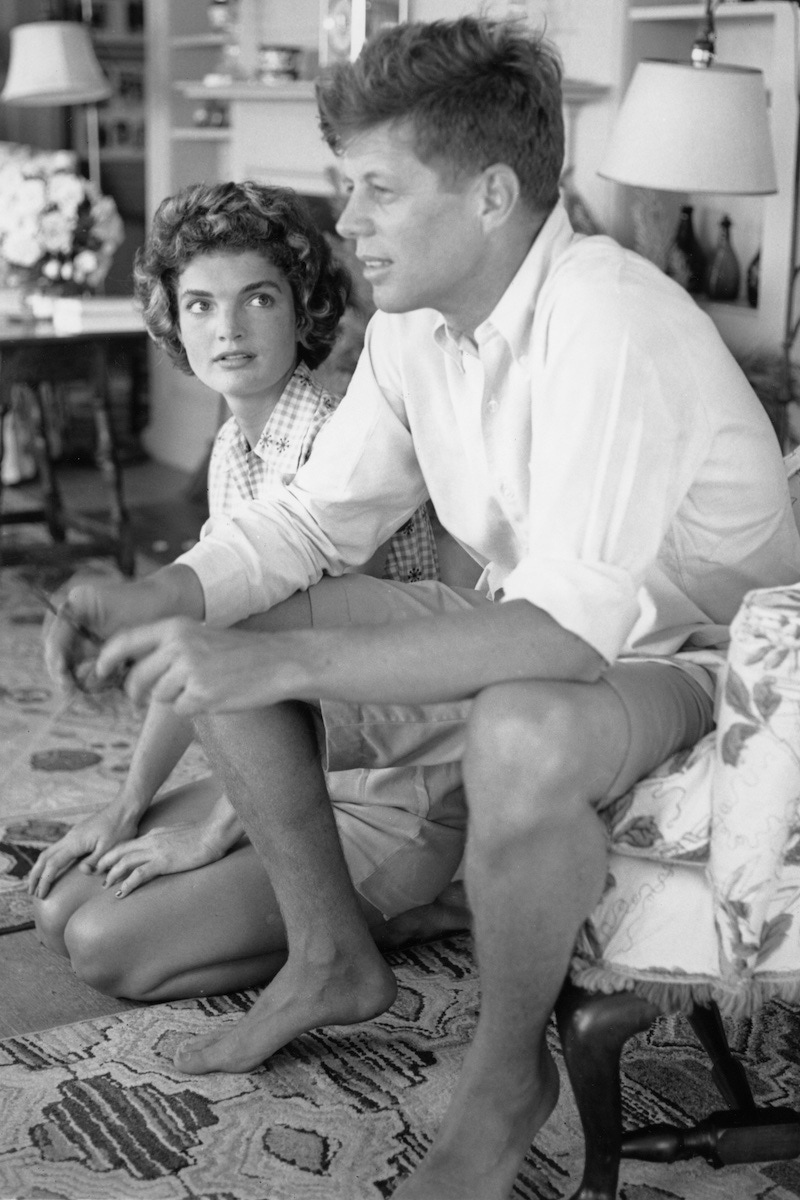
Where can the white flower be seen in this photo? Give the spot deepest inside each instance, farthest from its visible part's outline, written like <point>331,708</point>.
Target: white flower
<point>85,264</point>
<point>32,195</point>
<point>67,191</point>
<point>21,248</point>
<point>56,230</point>
<point>51,269</point>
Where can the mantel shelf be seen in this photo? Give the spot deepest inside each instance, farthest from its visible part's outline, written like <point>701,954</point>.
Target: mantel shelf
<point>300,90</point>
<point>576,91</point>
<point>696,12</point>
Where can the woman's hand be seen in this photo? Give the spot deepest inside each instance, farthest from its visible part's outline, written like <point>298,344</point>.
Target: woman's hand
<point>85,843</point>
<point>164,850</point>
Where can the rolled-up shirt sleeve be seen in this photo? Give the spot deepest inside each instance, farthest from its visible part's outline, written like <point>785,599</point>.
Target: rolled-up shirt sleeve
<point>610,464</point>
<point>361,483</point>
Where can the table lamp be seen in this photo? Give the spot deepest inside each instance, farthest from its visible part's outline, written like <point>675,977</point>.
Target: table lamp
<point>54,63</point>
<point>698,126</point>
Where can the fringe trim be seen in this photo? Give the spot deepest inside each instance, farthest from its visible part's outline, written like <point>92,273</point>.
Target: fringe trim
<point>672,994</point>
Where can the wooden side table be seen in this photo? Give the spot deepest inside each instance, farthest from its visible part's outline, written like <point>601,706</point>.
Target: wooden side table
<point>28,350</point>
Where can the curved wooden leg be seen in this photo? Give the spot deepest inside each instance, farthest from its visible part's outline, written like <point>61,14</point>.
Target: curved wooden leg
<point>594,1028</point>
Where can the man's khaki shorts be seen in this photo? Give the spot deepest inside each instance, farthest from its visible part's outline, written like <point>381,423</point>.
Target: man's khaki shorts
<point>393,770</point>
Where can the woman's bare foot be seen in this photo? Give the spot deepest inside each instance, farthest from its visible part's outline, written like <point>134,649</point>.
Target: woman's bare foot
<point>485,1136</point>
<point>448,913</point>
<point>298,999</point>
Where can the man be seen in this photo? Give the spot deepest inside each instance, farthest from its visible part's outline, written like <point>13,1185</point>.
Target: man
<point>585,435</point>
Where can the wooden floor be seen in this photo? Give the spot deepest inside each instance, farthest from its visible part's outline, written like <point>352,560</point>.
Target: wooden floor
<point>37,988</point>
<point>39,991</point>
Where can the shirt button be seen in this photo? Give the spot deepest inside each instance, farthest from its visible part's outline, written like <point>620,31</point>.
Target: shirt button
<point>524,363</point>
<point>505,491</point>
<point>493,406</point>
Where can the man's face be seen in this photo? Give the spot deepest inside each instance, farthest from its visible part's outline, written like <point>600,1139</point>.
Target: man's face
<point>418,234</point>
<point>237,324</point>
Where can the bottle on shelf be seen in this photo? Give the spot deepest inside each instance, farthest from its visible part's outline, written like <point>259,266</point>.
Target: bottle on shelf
<point>686,262</point>
<point>724,273</point>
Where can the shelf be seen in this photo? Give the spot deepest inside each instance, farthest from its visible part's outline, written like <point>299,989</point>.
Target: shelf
<point>192,89</point>
<point>696,12</point>
<point>121,155</point>
<point>197,41</point>
<point>575,91</point>
<point>116,41</point>
<point>200,133</point>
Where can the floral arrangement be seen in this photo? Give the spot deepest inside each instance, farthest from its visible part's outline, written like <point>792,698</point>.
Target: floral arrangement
<point>57,233</point>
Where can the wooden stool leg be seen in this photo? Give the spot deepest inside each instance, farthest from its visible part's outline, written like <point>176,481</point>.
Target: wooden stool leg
<point>594,1028</point>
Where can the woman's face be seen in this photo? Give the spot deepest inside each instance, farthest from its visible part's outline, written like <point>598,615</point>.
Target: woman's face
<point>237,323</point>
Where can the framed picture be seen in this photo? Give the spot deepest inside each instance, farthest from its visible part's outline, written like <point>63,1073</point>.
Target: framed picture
<point>346,24</point>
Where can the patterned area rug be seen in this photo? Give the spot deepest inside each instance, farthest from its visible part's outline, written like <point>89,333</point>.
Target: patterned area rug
<point>96,1111</point>
<point>20,844</point>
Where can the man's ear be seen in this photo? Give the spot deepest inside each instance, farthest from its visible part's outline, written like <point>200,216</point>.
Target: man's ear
<point>500,194</point>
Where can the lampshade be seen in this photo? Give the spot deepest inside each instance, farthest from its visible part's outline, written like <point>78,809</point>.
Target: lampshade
<point>683,128</point>
<point>53,62</point>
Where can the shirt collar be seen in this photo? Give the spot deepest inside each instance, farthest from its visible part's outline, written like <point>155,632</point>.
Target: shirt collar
<point>232,441</point>
<point>513,313</point>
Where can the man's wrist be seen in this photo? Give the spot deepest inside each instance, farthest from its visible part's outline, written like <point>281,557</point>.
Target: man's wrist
<point>179,591</point>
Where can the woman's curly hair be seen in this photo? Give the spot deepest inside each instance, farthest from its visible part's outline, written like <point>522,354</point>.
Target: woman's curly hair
<point>207,218</point>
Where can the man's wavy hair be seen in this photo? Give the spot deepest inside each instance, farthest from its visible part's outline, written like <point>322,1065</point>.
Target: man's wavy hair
<point>208,218</point>
<point>475,91</point>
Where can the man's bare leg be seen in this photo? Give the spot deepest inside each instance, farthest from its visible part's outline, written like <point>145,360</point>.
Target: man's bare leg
<point>269,765</point>
<point>536,862</point>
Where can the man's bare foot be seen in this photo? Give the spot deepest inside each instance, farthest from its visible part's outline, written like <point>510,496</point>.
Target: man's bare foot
<point>485,1136</point>
<point>296,1001</point>
<point>448,913</point>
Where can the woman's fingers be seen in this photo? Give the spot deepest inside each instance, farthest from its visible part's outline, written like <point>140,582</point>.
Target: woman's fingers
<point>49,866</point>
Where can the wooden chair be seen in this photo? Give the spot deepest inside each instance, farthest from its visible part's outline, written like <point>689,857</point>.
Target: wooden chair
<point>594,1027</point>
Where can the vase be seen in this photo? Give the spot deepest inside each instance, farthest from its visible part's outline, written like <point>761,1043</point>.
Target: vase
<point>724,273</point>
<point>686,262</point>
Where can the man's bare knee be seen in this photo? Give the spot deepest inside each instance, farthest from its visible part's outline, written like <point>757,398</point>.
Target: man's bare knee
<point>515,729</point>
<point>528,754</point>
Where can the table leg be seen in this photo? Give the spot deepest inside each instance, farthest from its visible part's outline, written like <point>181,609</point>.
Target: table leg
<point>51,495</point>
<point>108,462</point>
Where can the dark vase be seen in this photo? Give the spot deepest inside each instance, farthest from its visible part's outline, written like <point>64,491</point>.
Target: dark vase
<point>753,277</point>
<point>724,273</point>
<point>686,262</point>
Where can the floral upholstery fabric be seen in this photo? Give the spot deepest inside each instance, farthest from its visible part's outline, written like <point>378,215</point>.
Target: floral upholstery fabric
<point>703,893</point>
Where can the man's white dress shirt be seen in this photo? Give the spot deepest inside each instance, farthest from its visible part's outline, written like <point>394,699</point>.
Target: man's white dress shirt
<point>595,448</point>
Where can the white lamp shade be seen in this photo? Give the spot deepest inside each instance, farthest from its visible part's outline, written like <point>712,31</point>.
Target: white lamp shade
<point>683,128</point>
<point>53,62</point>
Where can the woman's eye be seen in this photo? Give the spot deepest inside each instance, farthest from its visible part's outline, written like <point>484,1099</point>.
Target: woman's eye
<point>197,306</point>
<point>262,300</point>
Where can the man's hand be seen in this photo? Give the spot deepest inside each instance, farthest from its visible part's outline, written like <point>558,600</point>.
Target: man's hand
<point>165,850</point>
<point>102,608</point>
<point>197,669</point>
<point>86,842</point>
